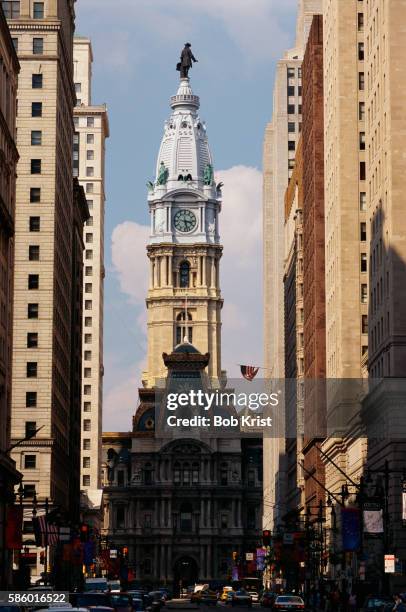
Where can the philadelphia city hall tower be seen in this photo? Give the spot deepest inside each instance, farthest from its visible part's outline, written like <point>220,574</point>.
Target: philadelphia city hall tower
<point>187,507</point>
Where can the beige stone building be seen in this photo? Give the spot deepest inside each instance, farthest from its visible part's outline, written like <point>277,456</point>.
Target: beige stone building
<point>281,136</point>
<point>346,248</point>
<point>8,165</point>
<point>91,131</point>
<point>44,288</point>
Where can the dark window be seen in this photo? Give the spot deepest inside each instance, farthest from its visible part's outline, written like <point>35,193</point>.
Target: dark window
<point>15,44</point>
<point>29,491</point>
<point>364,262</point>
<point>291,127</point>
<point>36,109</point>
<point>362,171</point>
<point>32,340</point>
<point>90,122</point>
<point>361,81</point>
<point>33,252</point>
<point>291,73</point>
<point>38,10</point>
<point>360,22</point>
<point>120,478</point>
<point>31,399</point>
<point>299,109</point>
<point>33,281</point>
<point>291,90</point>
<point>120,517</point>
<point>35,194</point>
<point>35,166</point>
<point>291,145</point>
<point>36,138</point>
<point>364,293</point>
<point>361,111</point>
<point>30,428</point>
<point>35,224</point>
<point>37,81</point>
<point>30,462</point>
<point>299,90</point>
<point>184,274</point>
<point>361,52</point>
<point>364,324</point>
<point>11,9</point>
<point>32,311</point>
<point>37,46</point>
<point>291,109</point>
<point>362,141</point>
<point>363,232</point>
<point>32,369</point>
<point>186,517</point>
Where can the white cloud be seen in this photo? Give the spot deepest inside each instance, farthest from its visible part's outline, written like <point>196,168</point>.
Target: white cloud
<point>121,400</point>
<point>241,278</point>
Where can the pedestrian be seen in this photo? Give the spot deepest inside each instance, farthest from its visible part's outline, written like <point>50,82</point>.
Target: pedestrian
<point>399,604</point>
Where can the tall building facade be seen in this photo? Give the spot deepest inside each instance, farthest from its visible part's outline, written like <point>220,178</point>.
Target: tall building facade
<point>314,316</point>
<point>91,131</point>
<point>187,502</point>
<point>44,244</point>
<point>346,249</point>
<point>281,136</point>
<point>8,166</point>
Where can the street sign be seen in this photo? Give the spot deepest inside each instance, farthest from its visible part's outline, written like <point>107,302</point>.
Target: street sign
<point>390,561</point>
<point>249,556</point>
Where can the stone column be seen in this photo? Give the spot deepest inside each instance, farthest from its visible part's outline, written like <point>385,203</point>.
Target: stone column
<point>213,273</point>
<point>170,272</point>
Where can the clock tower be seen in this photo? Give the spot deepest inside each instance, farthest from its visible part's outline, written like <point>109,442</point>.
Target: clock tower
<point>184,300</point>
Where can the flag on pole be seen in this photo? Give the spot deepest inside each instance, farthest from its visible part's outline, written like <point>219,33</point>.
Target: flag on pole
<point>44,532</point>
<point>249,372</point>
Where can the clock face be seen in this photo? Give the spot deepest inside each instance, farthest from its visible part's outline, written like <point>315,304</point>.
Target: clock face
<point>185,221</point>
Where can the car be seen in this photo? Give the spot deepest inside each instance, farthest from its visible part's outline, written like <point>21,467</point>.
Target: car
<point>288,602</point>
<point>96,584</point>
<point>224,594</point>
<point>114,586</point>
<point>377,603</point>
<point>267,599</point>
<point>241,598</point>
<point>254,596</point>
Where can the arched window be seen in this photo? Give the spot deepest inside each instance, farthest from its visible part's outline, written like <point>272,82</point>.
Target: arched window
<point>184,274</point>
<point>186,517</point>
<point>182,330</point>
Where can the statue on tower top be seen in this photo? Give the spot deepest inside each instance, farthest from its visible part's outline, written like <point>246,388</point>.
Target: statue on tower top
<point>186,61</point>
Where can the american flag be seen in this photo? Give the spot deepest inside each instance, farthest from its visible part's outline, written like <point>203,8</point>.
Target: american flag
<point>47,531</point>
<point>249,372</point>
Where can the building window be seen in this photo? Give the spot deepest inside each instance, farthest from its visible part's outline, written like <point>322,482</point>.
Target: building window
<point>186,517</point>
<point>87,406</point>
<point>291,73</point>
<point>184,274</point>
<point>11,9</point>
<point>32,369</point>
<point>32,311</point>
<point>89,254</point>
<point>87,356</point>
<point>361,111</point>
<point>87,390</point>
<point>86,462</point>
<point>90,204</point>
<point>291,145</point>
<point>88,305</point>
<point>15,44</point>
<point>33,281</point>
<point>183,331</point>
<point>32,340</point>
<point>362,141</point>
<point>291,90</point>
<point>363,231</point>
<point>78,87</point>
<point>30,429</point>
<point>360,22</point>
<point>38,46</point>
<point>90,138</point>
<point>362,171</point>
<point>291,164</point>
<point>86,480</point>
<point>291,127</point>
<point>362,200</point>
<point>88,321</point>
<point>30,462</point>
<point>33,252</point>
<point>90,122</point>
<point>120,517</point>
<point>361,81</point>
<point>86,444</point>
<point>364,324</point>
<point>88,287</point>
<point>35,194</point>
<point>90,155</point>
<point>89,271</point>
<point>361,53</point>
<point>291,109</point>
<point>36,138</point>
<point>76,121</point>
<point>38,10</point>
<point>86,423</point>
<point>89,171</point>
<point>120,478</point>
<point>89,187</point>
<point>88,338</point>
<point>35,224</point>
<point>31,399</point>
<point>364,293</point>
<point>35,166</point>
<point>87,372</point>
<point>37,81</point>
<point>364,262</point>
<point>36,109</point>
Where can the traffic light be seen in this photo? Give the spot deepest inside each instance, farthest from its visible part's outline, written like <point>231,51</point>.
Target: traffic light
<point>266,537</point>
<point>84,533</point>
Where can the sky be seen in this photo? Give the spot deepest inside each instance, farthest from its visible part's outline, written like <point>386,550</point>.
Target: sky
<point>136,45</point>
